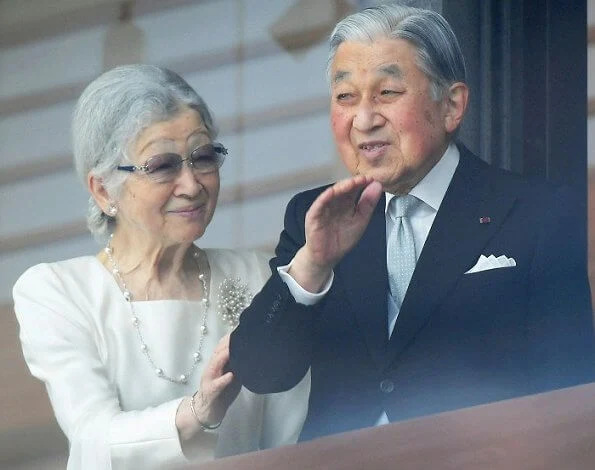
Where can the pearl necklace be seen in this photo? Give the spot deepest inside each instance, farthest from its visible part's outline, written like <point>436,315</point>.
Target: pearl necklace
<point>196,355</point>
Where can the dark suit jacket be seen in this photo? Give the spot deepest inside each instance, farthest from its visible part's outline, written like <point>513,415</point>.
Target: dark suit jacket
<point>460,339</point>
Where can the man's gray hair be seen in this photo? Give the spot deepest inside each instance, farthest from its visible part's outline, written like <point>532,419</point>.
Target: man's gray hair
<point>438,51</point>
<point>110,115</point>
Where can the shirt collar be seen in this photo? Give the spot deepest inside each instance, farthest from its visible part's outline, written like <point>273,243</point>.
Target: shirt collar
<point>432,188</point>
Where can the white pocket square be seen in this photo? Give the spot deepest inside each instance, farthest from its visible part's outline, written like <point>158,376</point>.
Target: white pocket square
<point>491,262</point>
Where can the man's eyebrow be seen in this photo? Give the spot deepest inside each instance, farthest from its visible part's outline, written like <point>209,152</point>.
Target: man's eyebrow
<point>340,76</point>
<point>391,70</point>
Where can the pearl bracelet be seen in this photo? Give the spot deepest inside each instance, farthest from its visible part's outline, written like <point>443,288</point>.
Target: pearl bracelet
<point>203,426</point>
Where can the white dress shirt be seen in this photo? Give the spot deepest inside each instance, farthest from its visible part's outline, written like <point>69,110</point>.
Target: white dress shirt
<point>430,191</point>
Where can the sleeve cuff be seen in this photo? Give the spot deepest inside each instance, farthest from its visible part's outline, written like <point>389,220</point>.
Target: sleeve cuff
<point>151,441</point>
<point>301,295</point>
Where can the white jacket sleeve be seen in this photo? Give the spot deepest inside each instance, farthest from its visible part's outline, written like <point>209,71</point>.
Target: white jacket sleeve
<point>284,414</point>
<point>60,348</point>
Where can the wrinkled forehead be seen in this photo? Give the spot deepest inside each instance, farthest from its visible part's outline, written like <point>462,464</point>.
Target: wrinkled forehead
<point>176,134</point>
<point>383,58</point>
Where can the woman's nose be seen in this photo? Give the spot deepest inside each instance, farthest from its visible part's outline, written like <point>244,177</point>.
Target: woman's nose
<point>188,180</point>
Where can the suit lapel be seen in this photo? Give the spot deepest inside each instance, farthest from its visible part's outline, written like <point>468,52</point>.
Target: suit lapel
<point>365,281</point>
<point>454,244</point>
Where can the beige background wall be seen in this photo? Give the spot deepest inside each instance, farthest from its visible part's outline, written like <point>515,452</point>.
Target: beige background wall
<point>268,95</point>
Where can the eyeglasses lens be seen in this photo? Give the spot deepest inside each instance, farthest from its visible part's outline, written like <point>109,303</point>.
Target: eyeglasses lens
<point>205,159</point>
<point>164,167</point>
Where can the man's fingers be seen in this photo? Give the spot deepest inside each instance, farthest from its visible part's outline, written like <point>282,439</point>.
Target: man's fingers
<point>344,193</point>
<point>369,197</point>
<point>350,186</point>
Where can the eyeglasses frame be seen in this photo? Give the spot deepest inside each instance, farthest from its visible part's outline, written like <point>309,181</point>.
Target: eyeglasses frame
<point>218,146</point>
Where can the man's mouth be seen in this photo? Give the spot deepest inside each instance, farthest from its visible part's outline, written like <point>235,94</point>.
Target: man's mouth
<point>372,146</point>
<point>373,152</point>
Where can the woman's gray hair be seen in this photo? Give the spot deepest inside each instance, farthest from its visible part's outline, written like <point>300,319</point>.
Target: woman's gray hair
<point>110,115</point>
<point>438,50</point>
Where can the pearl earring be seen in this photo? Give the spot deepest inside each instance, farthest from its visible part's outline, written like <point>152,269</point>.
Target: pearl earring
<point>113,210</point>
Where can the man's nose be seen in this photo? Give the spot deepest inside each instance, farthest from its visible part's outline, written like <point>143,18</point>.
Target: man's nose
<point>367,116</point>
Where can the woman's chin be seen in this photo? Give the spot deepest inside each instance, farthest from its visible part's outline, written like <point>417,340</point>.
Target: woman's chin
<point>187,236</point>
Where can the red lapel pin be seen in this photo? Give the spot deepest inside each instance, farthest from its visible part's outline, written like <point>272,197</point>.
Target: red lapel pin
<point>484,220</point>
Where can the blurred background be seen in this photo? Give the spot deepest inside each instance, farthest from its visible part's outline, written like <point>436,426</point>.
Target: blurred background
<point>260,66</point>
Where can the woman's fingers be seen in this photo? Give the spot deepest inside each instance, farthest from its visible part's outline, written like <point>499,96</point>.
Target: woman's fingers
<point>219,359</point>
<point>218,389</point>
<point>221,383</point>
<point>215,376</point>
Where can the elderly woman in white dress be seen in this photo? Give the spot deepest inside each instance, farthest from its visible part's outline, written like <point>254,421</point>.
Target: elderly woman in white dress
<point>132,344</point>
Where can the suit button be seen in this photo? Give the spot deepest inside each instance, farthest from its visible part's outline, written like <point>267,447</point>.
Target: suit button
<point>387,386</point>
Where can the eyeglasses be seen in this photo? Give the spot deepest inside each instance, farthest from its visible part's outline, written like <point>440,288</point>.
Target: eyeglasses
<point>165,167</point>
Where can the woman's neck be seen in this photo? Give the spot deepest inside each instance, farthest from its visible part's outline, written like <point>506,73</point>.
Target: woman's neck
<point>157,271</point>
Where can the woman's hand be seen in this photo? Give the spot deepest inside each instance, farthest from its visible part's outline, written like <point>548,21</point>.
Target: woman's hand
<point>334,224</point>
<point>216,393</point>
<point>218,389</point>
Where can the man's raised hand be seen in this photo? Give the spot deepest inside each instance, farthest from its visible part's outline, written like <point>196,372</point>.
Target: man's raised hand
<point>334,224</point>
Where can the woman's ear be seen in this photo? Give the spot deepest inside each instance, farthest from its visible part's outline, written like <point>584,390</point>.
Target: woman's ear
<point>99,193</point>
<point>456,105</point>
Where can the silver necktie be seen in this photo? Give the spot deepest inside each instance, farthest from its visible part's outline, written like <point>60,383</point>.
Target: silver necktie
<point>401,246</point>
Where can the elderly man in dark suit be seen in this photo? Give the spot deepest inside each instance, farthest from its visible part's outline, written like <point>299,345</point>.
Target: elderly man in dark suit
<point>429,281</point>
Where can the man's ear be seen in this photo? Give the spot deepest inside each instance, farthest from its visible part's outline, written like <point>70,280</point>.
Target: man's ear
<point>99,193</point>
<point>456,105</point>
